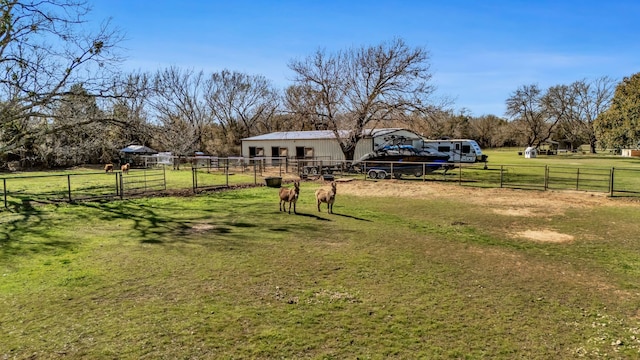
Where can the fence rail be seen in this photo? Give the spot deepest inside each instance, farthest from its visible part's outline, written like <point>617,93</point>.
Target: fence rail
<point>143,181</point>
<point>228,172</point>
<point>80,186</point>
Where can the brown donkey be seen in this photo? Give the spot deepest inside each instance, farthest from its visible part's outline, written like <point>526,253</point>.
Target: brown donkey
<point>125,168</point>
<point>108,168</point>
<point>289,196</point>
<point>326,196</point>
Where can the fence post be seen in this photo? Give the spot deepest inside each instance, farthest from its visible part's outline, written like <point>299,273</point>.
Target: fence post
<point>578,179</point>
<point>424,172</point>
<point>164,176</point>
<point>194,180</point>
<point>117,184</point>
<point>226,169</point>
<point>4,190</point>
<point>501,175</point>
<point>119,175</point>
<point>611,181</point>
<point>69,185</point>
<point>459,173</point>
<point>255,173</point>
<point>546,177</point>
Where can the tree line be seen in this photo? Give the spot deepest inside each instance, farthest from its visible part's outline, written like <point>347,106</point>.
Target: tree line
<point>64,100</point>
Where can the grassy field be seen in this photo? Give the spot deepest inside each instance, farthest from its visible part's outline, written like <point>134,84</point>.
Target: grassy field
<point>418,271</point>
<point>509,156</point>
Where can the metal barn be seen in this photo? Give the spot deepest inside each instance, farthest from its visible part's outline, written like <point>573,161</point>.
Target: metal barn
<point>318,145</point>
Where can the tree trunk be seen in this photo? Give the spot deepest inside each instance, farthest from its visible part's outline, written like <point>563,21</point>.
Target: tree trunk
<point>592,145</point>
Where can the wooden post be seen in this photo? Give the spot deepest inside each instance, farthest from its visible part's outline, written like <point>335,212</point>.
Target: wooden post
<point>546,177</point>
<point>194,180</point>
<point>4,190</point>
<point>226,169</point>
<point>119,174</point>
<point>164,176</point>
<point>69,185</point>
<point>611,181</point>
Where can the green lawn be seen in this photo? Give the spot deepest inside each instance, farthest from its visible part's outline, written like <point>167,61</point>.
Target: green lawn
<point>509,156</point>
<point>227,275</point>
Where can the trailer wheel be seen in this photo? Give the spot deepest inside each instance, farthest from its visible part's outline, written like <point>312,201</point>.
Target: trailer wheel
<point>372,174</point>
<point>382,174</point>
<point>314,171</point>
<point>418,173</point>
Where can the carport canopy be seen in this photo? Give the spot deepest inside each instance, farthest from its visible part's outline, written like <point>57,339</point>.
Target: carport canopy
<point>138,150</point>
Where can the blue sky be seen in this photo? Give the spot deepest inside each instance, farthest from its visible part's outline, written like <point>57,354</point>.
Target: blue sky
<point>481,51</point>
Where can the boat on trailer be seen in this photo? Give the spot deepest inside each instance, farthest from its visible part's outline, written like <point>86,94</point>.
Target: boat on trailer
<point>400,159</point>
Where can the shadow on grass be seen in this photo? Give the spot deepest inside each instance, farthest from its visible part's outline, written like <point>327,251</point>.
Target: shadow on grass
<point>351,217</point>
<point>313,216</point>
<point>153,224</point>
<point>27,231</point>
<point>158,225</point>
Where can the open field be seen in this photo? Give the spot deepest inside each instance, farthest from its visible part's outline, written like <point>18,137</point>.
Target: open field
<point>509,156</point>
<point>401,270</point>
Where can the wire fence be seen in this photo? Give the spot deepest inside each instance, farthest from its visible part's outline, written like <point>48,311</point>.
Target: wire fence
<point>20,190</point>
<point>233,172</point>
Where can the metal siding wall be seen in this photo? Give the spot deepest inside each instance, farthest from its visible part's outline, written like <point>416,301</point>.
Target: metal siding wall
<point>323,149</point>
<point>363,147</point>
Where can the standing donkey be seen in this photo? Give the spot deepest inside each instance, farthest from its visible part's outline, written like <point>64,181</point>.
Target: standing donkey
<point>326,196</point>
<point>289,196</point>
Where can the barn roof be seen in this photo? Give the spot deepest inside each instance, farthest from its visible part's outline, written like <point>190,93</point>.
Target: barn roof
<point>318,134</point>
<point>138,149</point>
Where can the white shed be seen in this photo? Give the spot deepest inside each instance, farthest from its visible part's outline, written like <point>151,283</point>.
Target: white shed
<point>318,145</point>
<point>530,152</point>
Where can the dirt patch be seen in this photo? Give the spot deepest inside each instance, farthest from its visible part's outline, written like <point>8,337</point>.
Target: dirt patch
<point>202,227</point>
<point>507,202</point>
<point>545,236</point>
<point>514,212</point>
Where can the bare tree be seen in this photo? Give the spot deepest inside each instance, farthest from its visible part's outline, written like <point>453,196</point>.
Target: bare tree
<point>489,131</point>
<point>526,106</point>
<point>590,99</point>
<point>43,52</point>
<point>180,109</point>
<point>558,103</point>
<point>242,105</point>
<point>300,102</point>
<point>132,106</point>
<point>362,87</point>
